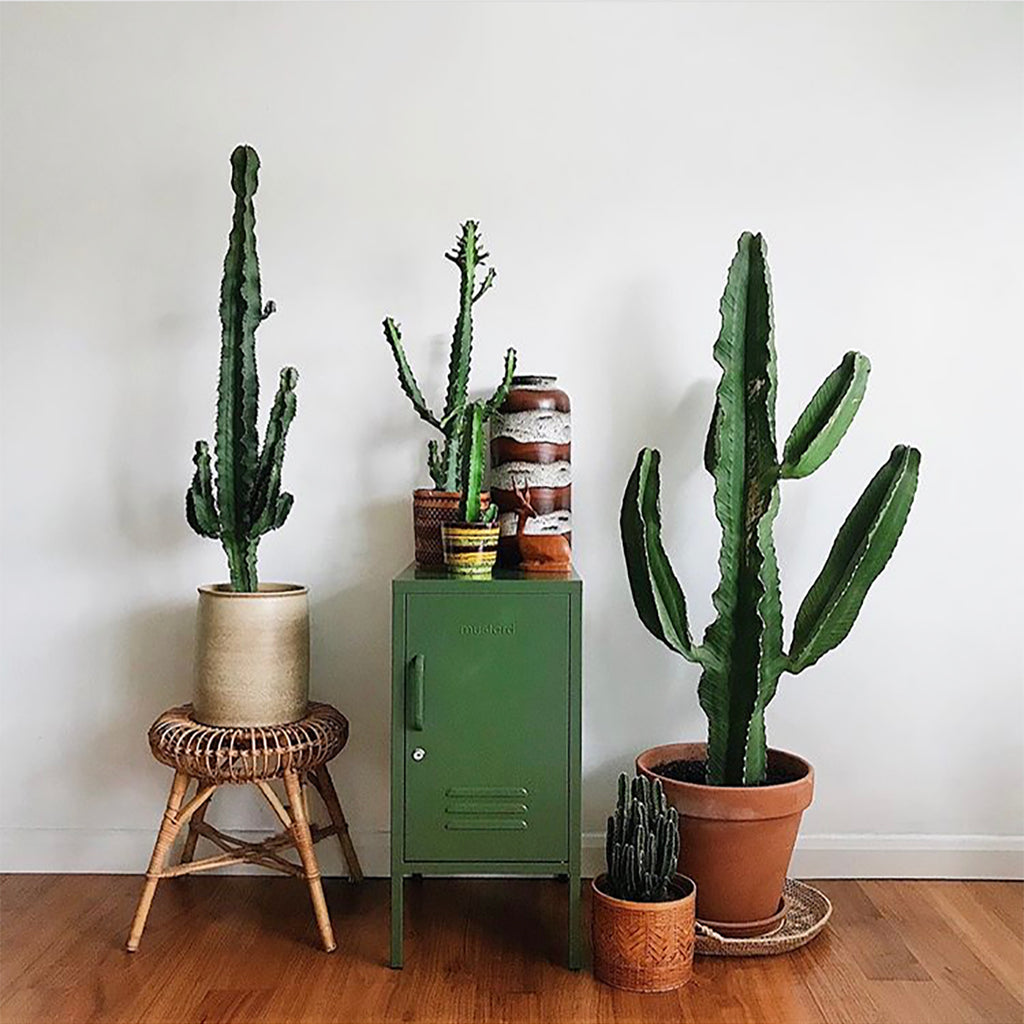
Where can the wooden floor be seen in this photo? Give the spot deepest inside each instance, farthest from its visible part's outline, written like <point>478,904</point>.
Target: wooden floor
<point>243,950</point>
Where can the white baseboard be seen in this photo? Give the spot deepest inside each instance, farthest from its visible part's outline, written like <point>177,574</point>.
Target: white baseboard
<point>126,851</point>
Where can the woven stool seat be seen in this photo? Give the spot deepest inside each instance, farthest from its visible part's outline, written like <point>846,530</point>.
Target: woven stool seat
<point>225,754</point>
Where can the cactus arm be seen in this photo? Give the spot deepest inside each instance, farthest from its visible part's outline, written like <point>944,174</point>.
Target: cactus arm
<point>200,505</point>
<point>241,310</point>
<point>501,392</point>
<point>406,378</point>
<point>737,662</point>
<point>263,513</point>
<point>657,595</point>
<point>863,546</point>
<point>466,257</point>
<point>472,464</point>
<point>485,284</point>
<point>828,415</point>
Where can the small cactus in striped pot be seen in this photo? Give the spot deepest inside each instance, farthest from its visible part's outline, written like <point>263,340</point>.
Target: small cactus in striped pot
<point>642,844</point>
<point>248,501</point>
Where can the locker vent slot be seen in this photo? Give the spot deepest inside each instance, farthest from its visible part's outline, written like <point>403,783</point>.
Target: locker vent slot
<point>486,809</point>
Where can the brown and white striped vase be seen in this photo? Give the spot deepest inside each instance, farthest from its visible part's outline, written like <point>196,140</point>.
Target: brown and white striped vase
<point>530,447</point>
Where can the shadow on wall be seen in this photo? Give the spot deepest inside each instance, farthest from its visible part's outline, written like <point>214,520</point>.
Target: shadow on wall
<point>351,644</point>
<point>636,690</point>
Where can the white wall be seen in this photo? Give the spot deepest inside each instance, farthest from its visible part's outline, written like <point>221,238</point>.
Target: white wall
<point>612,154</point>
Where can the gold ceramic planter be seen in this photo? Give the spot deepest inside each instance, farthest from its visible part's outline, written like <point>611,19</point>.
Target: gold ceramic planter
<point>470,549</point>
<point>252,655</point>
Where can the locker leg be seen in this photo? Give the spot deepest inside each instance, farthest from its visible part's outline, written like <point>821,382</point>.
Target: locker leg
<point>575,959</point>
<point>397,918</point>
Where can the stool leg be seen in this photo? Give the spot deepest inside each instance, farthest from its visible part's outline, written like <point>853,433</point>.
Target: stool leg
<point>169,828</point>
<point>333,804</point>
<point>189,849</point>
<point>304,844</point>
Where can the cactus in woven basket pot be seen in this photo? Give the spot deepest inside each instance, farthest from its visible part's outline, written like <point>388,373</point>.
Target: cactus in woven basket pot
<point>246,501</point>
<point>443,460</point>
<point>742,656</point>
<point>642,842</point>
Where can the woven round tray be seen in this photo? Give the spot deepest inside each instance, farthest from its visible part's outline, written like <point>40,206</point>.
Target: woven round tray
<point>807,912</point>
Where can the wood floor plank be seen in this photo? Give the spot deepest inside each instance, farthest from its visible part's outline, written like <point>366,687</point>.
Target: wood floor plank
<point>968,987</point>
<point>245,950</point>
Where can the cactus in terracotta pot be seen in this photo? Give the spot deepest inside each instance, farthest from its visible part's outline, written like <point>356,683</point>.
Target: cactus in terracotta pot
<point>443,460</point>
<point>742,656</point>
<point>246,500</point>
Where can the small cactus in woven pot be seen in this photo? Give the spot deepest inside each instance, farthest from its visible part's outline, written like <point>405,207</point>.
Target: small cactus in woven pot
<point>643,912</point>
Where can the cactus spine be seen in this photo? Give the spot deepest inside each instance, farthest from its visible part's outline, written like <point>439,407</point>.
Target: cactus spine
<point>642,842</point>
<point>443,460</point>
<point>742,655</point>
<point>471,468</point>
<point>248,501</point>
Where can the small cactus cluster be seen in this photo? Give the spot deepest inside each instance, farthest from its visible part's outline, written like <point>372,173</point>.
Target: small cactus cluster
<point>443,460</point>
<point>471,468</point>
<point>642,845</point>
<point>249,501</point>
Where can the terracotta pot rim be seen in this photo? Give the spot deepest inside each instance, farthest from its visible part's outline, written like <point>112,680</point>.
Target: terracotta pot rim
<point>266,591</point>
<point>729,803</point>
<point>645,907</point>
<point>774,787</point>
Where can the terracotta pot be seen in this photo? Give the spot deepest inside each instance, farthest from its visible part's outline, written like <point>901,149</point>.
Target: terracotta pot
<point>252,655</point>
<point>470,549</point>
<point>643,947</point>
<point>531,447</point>
<point>735,841</point>
<point>429,510</point>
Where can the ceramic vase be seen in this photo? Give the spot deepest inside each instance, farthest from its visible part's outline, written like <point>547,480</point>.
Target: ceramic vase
<point>530,448</point>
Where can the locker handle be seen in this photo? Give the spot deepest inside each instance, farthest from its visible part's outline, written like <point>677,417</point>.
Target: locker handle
<point>415,677</point>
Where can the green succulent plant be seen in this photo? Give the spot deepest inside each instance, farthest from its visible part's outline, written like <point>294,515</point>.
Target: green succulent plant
<point>641,843</point>
<point>443,460</point>
<point>742,655</point>
<point>471,468</point>
<point>248,501</point>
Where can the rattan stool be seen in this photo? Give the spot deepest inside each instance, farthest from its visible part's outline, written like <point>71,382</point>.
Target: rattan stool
<point>296,753</point>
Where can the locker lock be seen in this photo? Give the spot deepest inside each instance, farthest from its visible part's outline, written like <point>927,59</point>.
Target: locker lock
<point>418,754</point>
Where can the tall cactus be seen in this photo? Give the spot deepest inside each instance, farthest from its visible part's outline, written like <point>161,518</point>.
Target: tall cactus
<point>471,468</point>
<point>249,501</point>
<point>742,655</point>
<point>443,460</point>
<point>642,842</point>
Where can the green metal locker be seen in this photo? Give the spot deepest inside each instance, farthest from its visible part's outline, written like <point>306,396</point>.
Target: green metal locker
<point>485,725</point>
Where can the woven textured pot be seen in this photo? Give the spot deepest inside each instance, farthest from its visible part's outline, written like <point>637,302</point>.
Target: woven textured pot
<point>531,436</point>
<point>643,947</point>
<point>470,549</point>
<point>735,842</point>
<point>429,510</point>
<point>252,655</point>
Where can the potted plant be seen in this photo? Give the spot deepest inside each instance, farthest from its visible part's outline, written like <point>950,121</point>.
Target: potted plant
<point>471,542</point>
<point>252,638</point>
<point>432,507</point>
<point>740,803</point>
<point>642,923</point>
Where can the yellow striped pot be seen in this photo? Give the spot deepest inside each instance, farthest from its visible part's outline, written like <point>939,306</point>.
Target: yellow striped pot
<point>470,549</point>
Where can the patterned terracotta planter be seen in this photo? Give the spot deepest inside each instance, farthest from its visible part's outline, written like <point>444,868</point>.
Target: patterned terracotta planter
<point>531,448</point>
<point>643,947</point>
<point>429,510</point>
<point>470,549</point>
